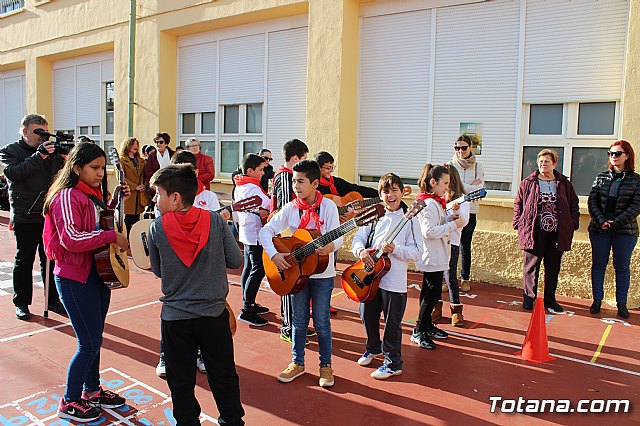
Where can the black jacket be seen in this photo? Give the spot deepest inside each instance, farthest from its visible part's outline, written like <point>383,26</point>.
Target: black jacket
<point>29,178</point>
<point>343,187</point>
<point>627,205</point>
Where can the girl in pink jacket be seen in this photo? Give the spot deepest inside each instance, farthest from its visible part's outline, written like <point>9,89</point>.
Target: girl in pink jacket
<point>70,238</point>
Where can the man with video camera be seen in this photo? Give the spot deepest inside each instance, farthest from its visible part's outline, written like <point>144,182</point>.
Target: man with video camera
<point>30,166</point>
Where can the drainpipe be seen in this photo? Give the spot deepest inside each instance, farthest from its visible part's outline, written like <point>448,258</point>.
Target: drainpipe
<point>132,64</point>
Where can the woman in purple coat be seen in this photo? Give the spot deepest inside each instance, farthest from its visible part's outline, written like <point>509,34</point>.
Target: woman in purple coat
<point>545,214</point>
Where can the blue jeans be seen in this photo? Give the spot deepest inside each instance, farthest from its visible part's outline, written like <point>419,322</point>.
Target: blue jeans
<point>601,245</point>
<point>87,305</point>
<point>319,291</point>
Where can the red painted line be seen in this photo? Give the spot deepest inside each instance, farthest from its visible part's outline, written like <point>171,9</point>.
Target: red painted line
<point>484,318</point>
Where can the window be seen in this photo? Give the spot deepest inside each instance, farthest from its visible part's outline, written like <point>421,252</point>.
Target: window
<point>242,134</point>
<point>108,126</point>
<point>201,125</point>
<point>580,132</point>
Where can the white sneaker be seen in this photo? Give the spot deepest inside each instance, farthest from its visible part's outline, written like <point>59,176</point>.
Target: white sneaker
<point>366,358</point>
<point>161,370</point>
<point>200,363</point>
<point>384,372</point>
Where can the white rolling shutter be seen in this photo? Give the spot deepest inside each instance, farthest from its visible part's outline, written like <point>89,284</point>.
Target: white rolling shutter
<point>242,70</point>
<point>14,106</point>
<point>4,128</point>
<point>286,89</point>
<point>574,50</point>
<point>88,94</point>
<point>197,77</point>
<point>476,80</point>
<point>106,74</point>
<point>64,99</point>
<point>394,94</point>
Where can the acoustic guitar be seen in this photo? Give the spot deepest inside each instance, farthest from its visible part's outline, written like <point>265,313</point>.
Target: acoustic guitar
<point>359,282</point>
<point>354,201</point>
<point>232,319</point>
<point>472,196</point>
<point>112,263</point>
<point>139,235</point>
<point>303,258</point>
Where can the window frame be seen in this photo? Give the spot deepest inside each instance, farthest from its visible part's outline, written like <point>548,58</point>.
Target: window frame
<point>569,139</point>
<point>242,136</point>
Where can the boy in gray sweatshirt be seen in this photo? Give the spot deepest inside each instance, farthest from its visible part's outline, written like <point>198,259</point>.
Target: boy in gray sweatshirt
<point>190,249</point>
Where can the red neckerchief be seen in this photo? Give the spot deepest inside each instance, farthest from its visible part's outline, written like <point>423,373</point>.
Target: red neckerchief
<point>330,184</point>
<point>187,232</point>
<point>422,196</point>
<point>244,179</point>
<point>89,190</point>
<point>309,211</point>
<point>201,188</point>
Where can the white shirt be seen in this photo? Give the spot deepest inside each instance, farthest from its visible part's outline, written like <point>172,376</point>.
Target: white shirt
<point>464,214</point>
<point>163,160</point>
<point>249,224</point>
<point>408,244</point>
<point>436,231</point>
<point>288,217</point>
<point>206,200</point>
<point>467,176</point>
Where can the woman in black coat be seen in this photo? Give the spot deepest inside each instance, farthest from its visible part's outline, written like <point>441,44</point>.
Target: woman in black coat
<point>614,206</point>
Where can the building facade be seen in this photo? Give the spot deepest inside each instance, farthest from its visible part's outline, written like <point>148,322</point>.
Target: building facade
<point>383,85</point>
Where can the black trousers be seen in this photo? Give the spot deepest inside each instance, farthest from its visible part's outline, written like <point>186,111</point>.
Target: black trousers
<point>429,298</point>
<point>130,220</point>
<point>252,275</point>
<point>181,341</point>
<point>465,246</point>
<point>28,241</point>
<point>544,249</point>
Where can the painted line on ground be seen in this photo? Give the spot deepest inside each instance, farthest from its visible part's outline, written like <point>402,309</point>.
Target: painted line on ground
<point>601,344</point>
<point>337,294</point>
<point>549,318</point>
<point>486,316</point>
<point>509,345</point>
<point>66,324</point>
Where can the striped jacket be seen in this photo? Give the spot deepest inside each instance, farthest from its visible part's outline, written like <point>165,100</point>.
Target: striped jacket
<point>70,234</point>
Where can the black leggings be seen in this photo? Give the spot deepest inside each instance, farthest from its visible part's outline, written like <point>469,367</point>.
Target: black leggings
<point>429,297</point>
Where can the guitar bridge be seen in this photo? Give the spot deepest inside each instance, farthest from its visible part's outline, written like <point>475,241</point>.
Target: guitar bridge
<point>281,272</point>
<point>357,280</point>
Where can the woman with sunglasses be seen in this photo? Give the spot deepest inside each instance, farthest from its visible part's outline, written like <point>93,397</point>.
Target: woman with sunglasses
<point>472,175</point>
<point>614,206</point>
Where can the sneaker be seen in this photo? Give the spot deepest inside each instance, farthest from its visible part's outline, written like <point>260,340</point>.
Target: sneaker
<point>104,399</point>
<point>252,318</point>
<point>333,311</point>
<point>326,376</point>
<point>527,305</point>
<point>422,340</point>
<point>366,358</point>
<point>200,363</point>
<point>311,332</point>
<point>22,313</point>
<point>161,369</point>
<point>259,309</point>
<point>80,411</point>
<point>287,338</point>
<point>384,372</point>
<point>553,307</point>
<point>291,372</point>
<point>435,332</point>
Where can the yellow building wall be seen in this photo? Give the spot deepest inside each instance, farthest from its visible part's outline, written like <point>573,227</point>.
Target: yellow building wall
<point>38,36</point>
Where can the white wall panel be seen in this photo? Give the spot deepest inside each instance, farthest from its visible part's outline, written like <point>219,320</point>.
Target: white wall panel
<point>574,50</point>
<point>476,78</point>
<point>286,89</point>
<point>242,62</point>
<point>197,77</point>
<point>88,94</point>
<point>394,94</point>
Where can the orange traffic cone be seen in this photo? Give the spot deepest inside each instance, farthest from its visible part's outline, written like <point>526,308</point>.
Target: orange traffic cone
<point>536,347</point>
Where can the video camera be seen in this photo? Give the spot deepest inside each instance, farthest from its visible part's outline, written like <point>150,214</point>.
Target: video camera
<point>62,148</point>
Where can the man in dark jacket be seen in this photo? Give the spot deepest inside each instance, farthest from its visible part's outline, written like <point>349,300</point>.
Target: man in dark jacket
<point>30,165</point>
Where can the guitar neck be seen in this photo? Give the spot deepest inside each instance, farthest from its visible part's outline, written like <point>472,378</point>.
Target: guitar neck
<point>322,241</point>
<point>458,200</point>
<point>365,203</point>
<point>227,208</point>
<point>390,237</point>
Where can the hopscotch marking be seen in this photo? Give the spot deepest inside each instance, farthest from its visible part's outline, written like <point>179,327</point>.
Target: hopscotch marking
<point>40,408</point>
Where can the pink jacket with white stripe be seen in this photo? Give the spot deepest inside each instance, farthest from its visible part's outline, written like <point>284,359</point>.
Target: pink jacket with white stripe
<point>71,236</point>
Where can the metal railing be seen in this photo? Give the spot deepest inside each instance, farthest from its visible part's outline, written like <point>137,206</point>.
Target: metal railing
<point>7,6</point>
